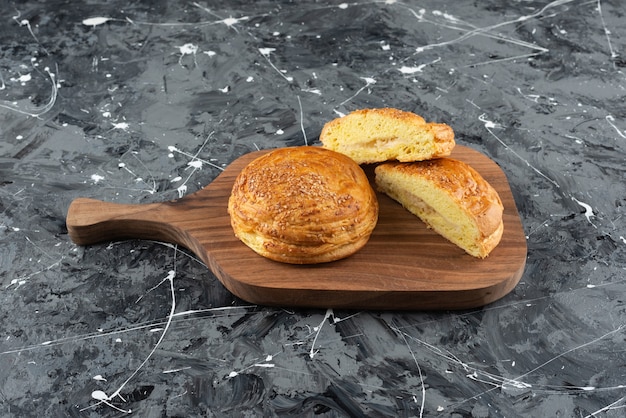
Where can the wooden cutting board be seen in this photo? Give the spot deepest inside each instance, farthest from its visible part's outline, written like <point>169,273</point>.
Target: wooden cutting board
<point>403,266</point>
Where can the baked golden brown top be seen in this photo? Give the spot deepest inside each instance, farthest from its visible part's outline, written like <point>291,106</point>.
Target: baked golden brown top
<point>303,205</point>
<point>464,184</point>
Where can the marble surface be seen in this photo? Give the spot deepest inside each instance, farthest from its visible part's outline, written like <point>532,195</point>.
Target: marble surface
<point>146,101</point>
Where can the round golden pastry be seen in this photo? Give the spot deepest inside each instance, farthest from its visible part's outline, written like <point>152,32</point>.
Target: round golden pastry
<point>303,205</point>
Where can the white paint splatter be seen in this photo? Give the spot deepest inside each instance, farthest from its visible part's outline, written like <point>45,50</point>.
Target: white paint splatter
<point>368,82</point>
<point>446,16</point>
<point>230,21</point>
<point>175,370</point>
<point>100,395</point>
<point>314,91</point>
<point>607,32</point>
<point>411,70</point>
<point>121,125</point>
<point>23,78</point>
<point>105,399</point>
<point>266,365</point>
<point>188,49</point>
<point>611,120</point>
<point>313,352</point>
<point>46,107</point>
<point>488,124</point>
<point>95,21</point>
<point>588,209</point>
<point>266,51</point>
<point>306,141</point>
<point>25,22</point>
<point>96,178</point>
<point>195,164</point>
<point>17,282</point>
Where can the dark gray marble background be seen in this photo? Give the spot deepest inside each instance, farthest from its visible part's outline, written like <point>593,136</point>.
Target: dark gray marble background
<point>146,101</point>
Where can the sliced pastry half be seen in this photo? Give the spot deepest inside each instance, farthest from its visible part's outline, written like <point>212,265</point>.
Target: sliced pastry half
<point>377,135</point>
<point>450,197</point>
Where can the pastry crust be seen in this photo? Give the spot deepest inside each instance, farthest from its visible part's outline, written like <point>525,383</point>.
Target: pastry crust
<point>303,205</point>
<point>450,197</point>
<point>377,135</point>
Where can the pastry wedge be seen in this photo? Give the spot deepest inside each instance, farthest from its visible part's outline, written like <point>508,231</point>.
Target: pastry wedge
<point>450,197</point>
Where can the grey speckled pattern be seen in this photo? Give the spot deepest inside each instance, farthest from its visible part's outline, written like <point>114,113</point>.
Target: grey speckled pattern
<point>151,101</point>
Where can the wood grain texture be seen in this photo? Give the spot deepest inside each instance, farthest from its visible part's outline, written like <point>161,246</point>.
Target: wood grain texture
<point>404,266</point>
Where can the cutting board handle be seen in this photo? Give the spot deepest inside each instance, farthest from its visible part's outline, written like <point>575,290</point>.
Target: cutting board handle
<point>90,221</point>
